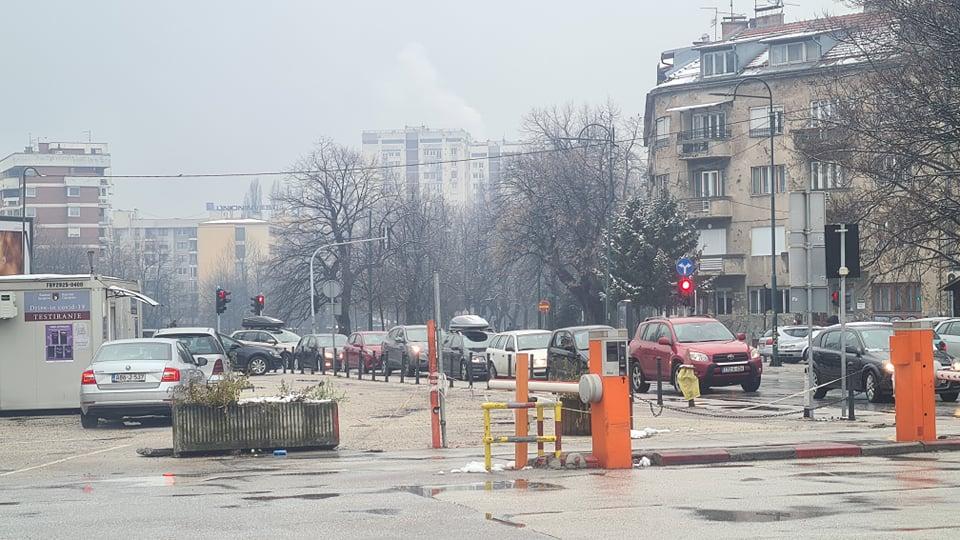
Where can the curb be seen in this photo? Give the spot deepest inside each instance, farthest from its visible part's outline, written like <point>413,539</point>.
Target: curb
<point>700,456</point>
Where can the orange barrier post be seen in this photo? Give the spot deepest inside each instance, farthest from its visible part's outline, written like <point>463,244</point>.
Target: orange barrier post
<point>610,417</point>
<point>911,352</point>
<point>522,418</point>
<point>434,387</point>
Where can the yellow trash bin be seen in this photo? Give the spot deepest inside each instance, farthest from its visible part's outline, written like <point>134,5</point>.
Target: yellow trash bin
<point>688,382</point>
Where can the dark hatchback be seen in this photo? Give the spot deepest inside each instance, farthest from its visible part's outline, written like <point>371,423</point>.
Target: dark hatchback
<point>569,352</point>
<point>251,359</point>
<point>868,356</point>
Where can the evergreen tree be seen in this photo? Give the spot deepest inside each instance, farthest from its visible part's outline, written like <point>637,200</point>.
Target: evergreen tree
<point>648,236</point>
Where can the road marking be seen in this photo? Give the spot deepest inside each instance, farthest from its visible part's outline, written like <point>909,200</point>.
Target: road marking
<point>95,452</point>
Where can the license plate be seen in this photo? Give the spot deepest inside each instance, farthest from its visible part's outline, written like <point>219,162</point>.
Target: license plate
<point>129,377</point>
<point>733,369</point>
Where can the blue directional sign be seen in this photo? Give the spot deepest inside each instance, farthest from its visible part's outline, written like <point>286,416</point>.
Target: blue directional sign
<point>685,267</point>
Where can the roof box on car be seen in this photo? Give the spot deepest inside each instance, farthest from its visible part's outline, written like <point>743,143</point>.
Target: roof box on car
<point>262,322</point>
<point>468,322</point>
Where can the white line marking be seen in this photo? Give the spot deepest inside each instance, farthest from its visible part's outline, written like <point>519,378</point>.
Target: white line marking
<point>95,452</point>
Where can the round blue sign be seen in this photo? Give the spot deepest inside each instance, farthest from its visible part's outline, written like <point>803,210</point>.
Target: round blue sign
<point>685,267</point>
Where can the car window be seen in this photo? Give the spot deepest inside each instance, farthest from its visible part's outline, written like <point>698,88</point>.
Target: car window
<point>647,334</point>
<point>877,339</point>
<point>416,334</point>
<point>796,332</point>
<point>950,329</point>
<point>512,343</point>
<point>240,335</point>
<point>198,343</point>
<point>325,340</point>
<point>701,331</point>
<point>583,340</point>
<point>372,339</point>
<point>283,336</point>
<point>185,355</point>
<point>831,340</point>
<point>229,342</point>
<point>475,339</point>
<point>533,341</point>
<point>133,352</point>
<point>558,339</point>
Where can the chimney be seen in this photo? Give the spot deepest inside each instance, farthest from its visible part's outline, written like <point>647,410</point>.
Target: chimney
<point>766,21</point>
<point>732,25</point>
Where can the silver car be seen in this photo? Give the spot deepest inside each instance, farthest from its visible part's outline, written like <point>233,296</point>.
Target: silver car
<point>203,342</point>
<point>791,345</point>
<point>135,377</point>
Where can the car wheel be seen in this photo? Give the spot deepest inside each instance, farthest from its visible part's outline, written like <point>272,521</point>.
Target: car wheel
<point>949,397</point>
<point>89,421</point>
<point>492,371</point>
<point>257,365</point>
<point>673,377</point>
<point>752,385</point>
<point>638,384</point>
<point>871,388</point>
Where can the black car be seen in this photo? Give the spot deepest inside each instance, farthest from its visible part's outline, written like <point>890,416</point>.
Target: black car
<point>868,355</point>
<point>251,359</point>
<point>405,347</point>
<point>465,347</point>
<point>311,346</point>
<point>569,354</point>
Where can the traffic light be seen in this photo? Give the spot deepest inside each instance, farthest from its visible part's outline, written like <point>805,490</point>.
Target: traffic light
<point>256,304</point>
<point>685,286</point>
<point>835,298</point>
<point>223,298</point>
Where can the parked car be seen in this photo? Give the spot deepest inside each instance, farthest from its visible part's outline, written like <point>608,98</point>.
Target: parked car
<point>405,346</point>
<point>792,345</point>
<point>203,342</point>
<point>503,348</point>
<point>280,340</point>
<point>136,377</point>
<point>718,357</point>
<point>568,355</point>
<point>365,347</point>
<point>868,355</point>
<point>464,348</point>
<point>307,351</point>
<point>251,359</point>
<point>949,331</point>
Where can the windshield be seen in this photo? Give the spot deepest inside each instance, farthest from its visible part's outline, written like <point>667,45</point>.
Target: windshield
<point>583,340</point>
<point>877,338</point>
<point>197,343</point>
<point>325,341</point>
<point>534,341</point>
<point>475,339</point>
<point>373,339</point>
<point>416,334</point>
<point>133,352</point>
<point>697,332</point>
<point>797,332</point>
<point>285,336</point>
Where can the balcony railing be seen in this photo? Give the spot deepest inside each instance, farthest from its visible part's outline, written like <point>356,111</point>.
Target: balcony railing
<point>721,133</point>
<point>716,207</point>
<point>723,265</point>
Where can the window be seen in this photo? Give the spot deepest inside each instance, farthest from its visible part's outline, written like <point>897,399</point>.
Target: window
<point>792,53</point>
<point>712,241</point>
<point>760,241</point>
<point>821,110</point>
<point>723,302</point>
<point>760,300</point>
<point>73,192</point>
<point>824,175</point>
<point>31,211</point>
<point>760,121</point>
<point>73,232</point>
<point>708,184</point>
<point>31,192</point>
<point>718,63</point>
<point>663,131</point>
<point>896,297</point>
<point>660,182</point>
<point>73,211</point>
<point>831,341</point>
<point>761,179</point>
<point>183,245</point>
<point>240,251</point>
<point>709,126</point>
<point>239,234</point>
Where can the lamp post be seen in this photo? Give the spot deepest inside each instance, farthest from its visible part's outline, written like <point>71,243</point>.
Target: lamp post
<point>771,126</point>
<point>611,142</point>
<point>23,214</point>
<point>313,294</point>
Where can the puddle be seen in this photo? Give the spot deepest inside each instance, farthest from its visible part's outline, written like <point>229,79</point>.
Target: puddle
<point>751,480</point>
<point>10,503</point>
<point>764,516</point>
<point>376,511</point>
<point>304,497</point>
<point>490,485</point>
<point>317,473</point>
<point>503,521</point>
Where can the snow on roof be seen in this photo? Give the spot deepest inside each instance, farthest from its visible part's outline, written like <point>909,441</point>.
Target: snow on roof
<point>244,221</point>
<point>794,36</point>
<point>687,73</point>
<point>700,106</point>
<point>58,277</point>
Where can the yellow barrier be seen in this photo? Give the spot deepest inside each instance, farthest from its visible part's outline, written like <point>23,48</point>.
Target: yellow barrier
<point>540,438</point>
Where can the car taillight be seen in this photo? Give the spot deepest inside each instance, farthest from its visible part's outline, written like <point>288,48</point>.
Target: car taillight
<point>88,377</point>
<point>942,345</point>
<point>218,367</point>
<point>170,375</point>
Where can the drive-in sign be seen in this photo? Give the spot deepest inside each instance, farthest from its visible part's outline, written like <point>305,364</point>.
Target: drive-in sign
<point>56,306</point>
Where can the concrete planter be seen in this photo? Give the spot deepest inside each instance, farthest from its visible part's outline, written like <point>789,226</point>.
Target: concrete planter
<point>199,428</point>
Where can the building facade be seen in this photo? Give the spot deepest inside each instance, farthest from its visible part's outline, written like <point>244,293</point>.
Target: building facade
<point>70,201</point>
<point>712,150</point>
<point>446,162</point>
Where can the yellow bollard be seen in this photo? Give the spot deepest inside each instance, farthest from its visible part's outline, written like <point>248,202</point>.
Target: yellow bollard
<point>487,441</point>
<point>688,382</point>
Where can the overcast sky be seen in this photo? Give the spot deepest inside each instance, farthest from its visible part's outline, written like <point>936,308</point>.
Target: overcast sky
<point>225,86</point>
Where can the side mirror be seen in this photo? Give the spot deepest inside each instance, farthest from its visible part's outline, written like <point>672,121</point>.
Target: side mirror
<point>852,349</point>
<point>942,346</point>
<point>510,349</point>
<point>741,336</point>
<point>235,346</point>
<point>664,340</point>
<point>200,362</point>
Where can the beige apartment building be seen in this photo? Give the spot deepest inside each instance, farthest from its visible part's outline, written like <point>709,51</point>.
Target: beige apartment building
<point>233,247</point>
<point>713,152</point>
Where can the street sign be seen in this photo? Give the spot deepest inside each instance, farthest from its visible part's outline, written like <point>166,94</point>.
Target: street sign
<point>331,288</point>
<point>544,306</point>
<point>685,267</point>
<point>852,249</point>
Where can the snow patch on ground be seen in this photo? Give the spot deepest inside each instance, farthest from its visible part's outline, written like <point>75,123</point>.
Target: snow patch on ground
<point>642,462</point>
<point>478,467</point>
<point>646,432</point>
<point>280,399</point>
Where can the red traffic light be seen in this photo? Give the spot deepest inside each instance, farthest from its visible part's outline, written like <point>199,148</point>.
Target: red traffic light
<point>835,298</point>
<point>260,299</point>
<point>685,286</point>
<point>221,294</point>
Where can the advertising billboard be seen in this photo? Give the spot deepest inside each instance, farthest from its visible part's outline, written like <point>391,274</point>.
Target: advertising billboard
<point>13,260</point>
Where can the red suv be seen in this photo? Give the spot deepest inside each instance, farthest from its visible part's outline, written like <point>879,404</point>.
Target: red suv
<point>718,357</point>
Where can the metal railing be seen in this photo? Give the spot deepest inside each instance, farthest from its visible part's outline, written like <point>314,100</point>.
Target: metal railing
<point>719,133</point>
<point>489,439</point>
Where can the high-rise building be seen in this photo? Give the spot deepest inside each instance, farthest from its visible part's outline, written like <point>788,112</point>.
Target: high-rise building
<point>445,162</point>
<point>70,199</point>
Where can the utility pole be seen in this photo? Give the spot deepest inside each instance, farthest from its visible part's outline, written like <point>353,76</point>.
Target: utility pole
<point>845,388</point>
<point>370,273</point>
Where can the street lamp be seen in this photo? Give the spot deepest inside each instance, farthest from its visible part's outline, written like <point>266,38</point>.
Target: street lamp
<point>313,294</point>
<point>23,214</point>
<point>611,143</point>
<point>771,126</point>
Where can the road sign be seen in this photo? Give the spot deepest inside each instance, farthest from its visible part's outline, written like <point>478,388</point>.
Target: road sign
<point>544,306</point>
<point>331,288</point>
<point>685,267</point>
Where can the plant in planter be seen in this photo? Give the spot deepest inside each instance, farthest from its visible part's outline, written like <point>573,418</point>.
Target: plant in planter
<point>211,417</point>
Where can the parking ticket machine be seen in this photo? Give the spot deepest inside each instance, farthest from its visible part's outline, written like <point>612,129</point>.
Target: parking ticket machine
<point>607,388</point>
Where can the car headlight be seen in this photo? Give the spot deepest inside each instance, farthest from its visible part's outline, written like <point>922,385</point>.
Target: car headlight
<point>754,353</point>
<point>328,355</point>
<point>888,367</point>
<point>415,350</point>
<point>956,366</point>
<point>477,359</point>
<point>697,356</point>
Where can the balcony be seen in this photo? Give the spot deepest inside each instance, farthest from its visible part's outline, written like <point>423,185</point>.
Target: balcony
<point>815,139</point>
<point>718,207</point>
<point>699,143</point>
<point>723,265</point>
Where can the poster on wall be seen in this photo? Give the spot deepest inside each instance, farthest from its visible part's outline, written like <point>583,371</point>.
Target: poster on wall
<point>81,336</point>
<point>60,305</point>
<point>59,341</point>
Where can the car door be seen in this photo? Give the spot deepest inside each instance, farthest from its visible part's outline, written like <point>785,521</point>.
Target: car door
<point>390,345</point>
<point>451,358</point>
<point>643,349</point>
<point>950,333</point>
<point>194,373</point>
<point>657,351</point>
<point>350,351</point>
<point>563,357</point>
<point>496,355</point>
<point>828,358</point>
<point>855,361</point>
<point>510,355</point>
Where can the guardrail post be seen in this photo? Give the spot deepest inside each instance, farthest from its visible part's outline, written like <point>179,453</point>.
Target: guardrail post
<point>383,366</point>
<point>487,455</point>
<point>403,367</point>
<point>509,366</point>
<point>470,375</point>
<point>557,427</point>
<point>539,431</point>
<point>416,370</point>
<point>323,360</point>
<point>660,382</point>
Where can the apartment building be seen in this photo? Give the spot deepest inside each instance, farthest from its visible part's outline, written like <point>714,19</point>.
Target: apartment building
<point>447,162</point>
<point>231,247</point>
<point>712,150</point>
<point>70,199</point>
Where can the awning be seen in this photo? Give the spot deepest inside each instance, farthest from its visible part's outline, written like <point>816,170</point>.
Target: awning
<point>701,106</point>
<point>121,292</point>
